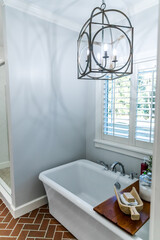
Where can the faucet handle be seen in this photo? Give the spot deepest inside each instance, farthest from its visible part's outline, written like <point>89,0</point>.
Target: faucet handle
<point>106,167</point>
<point>132,175</point>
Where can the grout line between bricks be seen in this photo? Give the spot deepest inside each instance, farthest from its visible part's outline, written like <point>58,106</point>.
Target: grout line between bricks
<point>5,216</point>
<point>20,232</point>
<point>13,229</point>
<point>54,231</point>
<point>36,216</point>
<point>27,235</point>
<point>62,235</point>
<point>9,223</point>
<point>41,222</point>
<point>47,228</point>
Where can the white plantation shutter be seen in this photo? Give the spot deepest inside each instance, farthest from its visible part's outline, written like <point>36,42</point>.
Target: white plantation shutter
<point>129,107</point>
<point>117,107</point>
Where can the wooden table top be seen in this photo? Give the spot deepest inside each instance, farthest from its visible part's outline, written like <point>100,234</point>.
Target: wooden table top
<point>110,210</point>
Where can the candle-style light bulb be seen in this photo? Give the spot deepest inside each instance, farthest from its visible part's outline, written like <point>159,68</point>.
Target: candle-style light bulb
<point>115,55</point>
<point>105,55</point>
<point>105,47</point>
<point>114,52</point>
<point>87,55</point>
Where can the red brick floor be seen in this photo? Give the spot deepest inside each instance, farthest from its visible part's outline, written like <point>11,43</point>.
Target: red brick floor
<point>36,225</point>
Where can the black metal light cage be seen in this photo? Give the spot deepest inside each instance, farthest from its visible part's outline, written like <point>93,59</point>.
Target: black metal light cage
<point>88,71</point>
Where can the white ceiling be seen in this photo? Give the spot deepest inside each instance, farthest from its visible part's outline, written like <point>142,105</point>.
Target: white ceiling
<point>78,11</point>
<point>80,7</point>
<point>74,13</point>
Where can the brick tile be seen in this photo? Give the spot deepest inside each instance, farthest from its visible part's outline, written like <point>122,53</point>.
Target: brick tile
<point>58,236</point>
<point>7,238</point>
<point>2,207</point>
<point>1,219</point>
<point>12,223</point>
<point>26,220</point>
<point>43,238</point>
<point>23,235</point>
<point>48,215</point>
<point>8,218</point>
<point>44,210</point>
<point>5,212</point>
<point>31,226</point>
<point>44,224</point>
<point>44,206</point>
<point>17,230</point>
<point>50,231</point>
<point>26,215</point>
<point>68,235</point>
<point>39,218</point>
<point>3,225</point>
<point>5,232</point>
<point>1,201</point>
<point>36,234</point>
<point>61,228</point>
<point>54,221</point>
<point>34,213</point>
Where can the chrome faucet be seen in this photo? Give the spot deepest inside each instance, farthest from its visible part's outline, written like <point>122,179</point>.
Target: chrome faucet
<point>106,167</point>
<point>113,167</point>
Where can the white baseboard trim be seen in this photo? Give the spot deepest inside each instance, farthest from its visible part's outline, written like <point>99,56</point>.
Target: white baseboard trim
<point>4,165</point>
<point>27,207</point>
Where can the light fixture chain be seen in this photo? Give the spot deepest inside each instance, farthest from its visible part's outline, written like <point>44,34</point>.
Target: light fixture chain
<point>103,6</point>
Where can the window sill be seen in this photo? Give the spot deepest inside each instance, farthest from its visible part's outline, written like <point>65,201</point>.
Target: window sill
<point>123,148</point>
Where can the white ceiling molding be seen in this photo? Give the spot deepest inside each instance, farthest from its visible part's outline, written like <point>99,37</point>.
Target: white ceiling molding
<point>36,11</point>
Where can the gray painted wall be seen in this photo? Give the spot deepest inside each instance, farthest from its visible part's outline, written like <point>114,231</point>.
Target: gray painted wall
<point>47,101</point>
<point>145,45</point>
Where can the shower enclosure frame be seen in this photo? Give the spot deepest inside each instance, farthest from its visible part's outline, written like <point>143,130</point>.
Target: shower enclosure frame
<point>6,193</point>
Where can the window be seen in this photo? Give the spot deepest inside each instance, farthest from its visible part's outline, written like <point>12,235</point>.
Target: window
<point>128,109</point>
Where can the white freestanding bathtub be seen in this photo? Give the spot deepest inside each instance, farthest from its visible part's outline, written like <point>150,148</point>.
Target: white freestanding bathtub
<point>74,189</point>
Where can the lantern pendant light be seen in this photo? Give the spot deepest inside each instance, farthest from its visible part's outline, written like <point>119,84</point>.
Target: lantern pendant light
<point>105,45</point>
